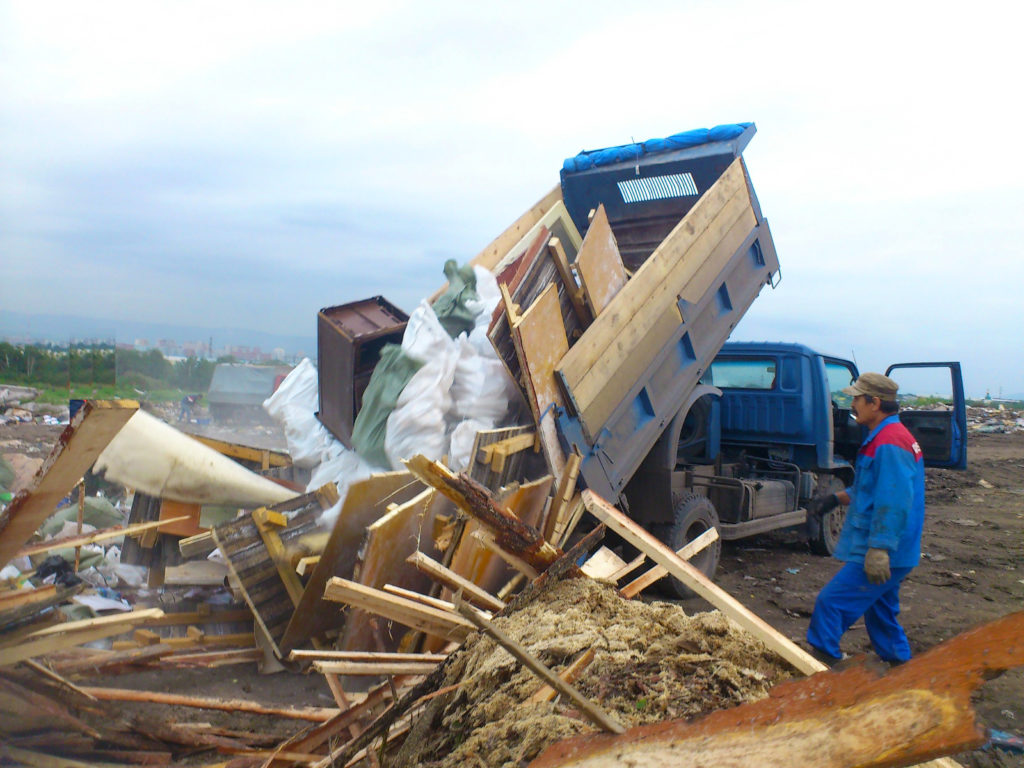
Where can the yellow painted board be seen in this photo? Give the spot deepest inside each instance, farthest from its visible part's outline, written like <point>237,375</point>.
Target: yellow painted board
<point>599,264</point>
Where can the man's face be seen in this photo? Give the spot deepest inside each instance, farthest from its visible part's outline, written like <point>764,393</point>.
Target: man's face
<point>865,409</point>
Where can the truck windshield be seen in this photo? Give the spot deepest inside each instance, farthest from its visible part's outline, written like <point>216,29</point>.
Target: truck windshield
<point>839,376</point>
<point>749,373</point>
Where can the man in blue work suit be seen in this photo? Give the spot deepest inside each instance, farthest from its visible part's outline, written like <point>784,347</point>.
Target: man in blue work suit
<point>881,538</point>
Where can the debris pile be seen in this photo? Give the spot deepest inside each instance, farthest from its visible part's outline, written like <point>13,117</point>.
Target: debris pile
<point>998,419</point>
<point>651,662</point>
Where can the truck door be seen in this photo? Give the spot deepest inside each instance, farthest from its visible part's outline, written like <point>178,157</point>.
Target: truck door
<point>933,408</point>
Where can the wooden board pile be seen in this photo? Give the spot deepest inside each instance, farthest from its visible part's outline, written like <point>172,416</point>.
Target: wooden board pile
<point>416,563</point>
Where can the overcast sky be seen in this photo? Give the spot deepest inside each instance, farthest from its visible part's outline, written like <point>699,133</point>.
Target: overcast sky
<point>244,164</point>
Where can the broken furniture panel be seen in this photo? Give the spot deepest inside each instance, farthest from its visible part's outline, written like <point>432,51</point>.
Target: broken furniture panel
<point>80,444</point>
<point>349,341</point>
<point>366,501</point>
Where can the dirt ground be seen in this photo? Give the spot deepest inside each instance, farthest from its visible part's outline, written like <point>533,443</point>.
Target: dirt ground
<point>972,571</point>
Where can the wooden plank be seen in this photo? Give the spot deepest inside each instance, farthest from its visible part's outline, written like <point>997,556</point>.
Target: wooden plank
<point>685,552</point>
<point>262,457</point>
<point>194,639</point>
<point>199,545</point>
<point>572,288</point>
<point>636,294</point>
<point>498,452</point>
<point>20,615</point>
<point>374,668</point>
<point>558,515</point>
<point>381,560</point>
<point>27,645</point>
<point>99,663</point>
<point>304,655</point>
<point>17,598</point>
<point>646,335</point>
<point>856,717</point>
<point>407,612</point>
<point>602,564</point>
<point>701,584</point>
<point>600,268</point>
<point>540,342</point>
<point>591,711</point>
<point>454,582</point>
<point>481,470</point>
<point>486,539</point>
<point>92,538</point>
<point>498,248</point>
<point>512,534</point>
<point>410,594</point>
<point>84,439</point>
<point>196,573</point>
<point>213,658</point>
<point>310,714</point>
<point>365,502</point>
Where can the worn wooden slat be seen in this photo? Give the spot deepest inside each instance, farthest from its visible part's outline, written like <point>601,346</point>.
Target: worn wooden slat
<point>365,502</point>
<point>454,582</point>
<point>599,264</point>
<point>374,668</point>
<point>407,612</point>
<point>82,441</point>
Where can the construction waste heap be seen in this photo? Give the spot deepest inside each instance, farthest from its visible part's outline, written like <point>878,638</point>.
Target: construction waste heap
<point>428,546</point>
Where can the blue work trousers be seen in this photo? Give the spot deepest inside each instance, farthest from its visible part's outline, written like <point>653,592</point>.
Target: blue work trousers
<point>848,597</point>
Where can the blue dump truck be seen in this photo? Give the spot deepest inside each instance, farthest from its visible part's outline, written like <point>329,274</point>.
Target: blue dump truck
<point>683,430</point>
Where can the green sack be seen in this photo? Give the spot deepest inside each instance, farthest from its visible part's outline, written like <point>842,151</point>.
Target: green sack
<point>98,512</point>
<point>450,307</point>
<point>393,371</point>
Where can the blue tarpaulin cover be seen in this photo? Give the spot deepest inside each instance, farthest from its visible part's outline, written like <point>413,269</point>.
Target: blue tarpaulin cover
<point>597,157</point>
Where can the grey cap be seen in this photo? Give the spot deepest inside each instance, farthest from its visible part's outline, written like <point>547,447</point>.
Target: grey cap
<point>873,385</point>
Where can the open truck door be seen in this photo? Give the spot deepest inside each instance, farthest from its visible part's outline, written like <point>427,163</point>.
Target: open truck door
<point>941,433</point>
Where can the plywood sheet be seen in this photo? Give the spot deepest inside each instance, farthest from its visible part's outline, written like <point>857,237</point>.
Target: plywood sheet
<point>77,448</point>
<point>541,343</point>
<point>388,542</point>
<point>366,502</point>
<point>599,264</point>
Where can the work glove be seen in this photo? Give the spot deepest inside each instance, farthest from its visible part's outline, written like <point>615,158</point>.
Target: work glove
<point>876,566</point>
<point>822,504</point>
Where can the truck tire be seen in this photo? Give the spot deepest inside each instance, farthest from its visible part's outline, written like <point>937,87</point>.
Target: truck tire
<point>694,514</point>
<point>825,536</point>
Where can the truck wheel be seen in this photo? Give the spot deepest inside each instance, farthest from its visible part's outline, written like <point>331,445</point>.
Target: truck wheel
<point>694,515</point>
<point>825,537</point>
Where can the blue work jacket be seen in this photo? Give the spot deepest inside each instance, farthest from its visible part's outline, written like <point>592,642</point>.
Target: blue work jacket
<point>887,498</point>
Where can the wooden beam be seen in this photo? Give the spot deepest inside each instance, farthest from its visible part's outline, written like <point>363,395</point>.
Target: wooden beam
<point>84,439</point>
<point>591,711</point>
<point>199,545</point>
<point>407,612</point>
<point>91,538</point>
<point>685,552</point>
<point>454,582</point>
<point>265,458</point>
<point>97,664</point>
<point>213,658</point>
<point>311,714</point>
<point>16,598</point>
<point>411,594</point>
<point>511,534</point>
<point>558,514</point>
<point>856,717</point>
<point>701,584</point>
<point>196,638</point>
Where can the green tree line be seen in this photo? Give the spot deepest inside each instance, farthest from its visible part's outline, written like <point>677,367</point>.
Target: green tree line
<point>99,365</point>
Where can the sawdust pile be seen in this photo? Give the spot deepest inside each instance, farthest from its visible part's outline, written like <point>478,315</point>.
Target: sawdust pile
<point>652,663</point>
